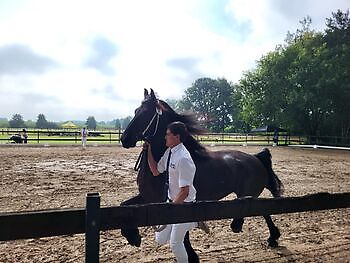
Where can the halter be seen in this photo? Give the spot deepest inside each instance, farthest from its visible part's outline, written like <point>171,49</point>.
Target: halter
<point>143,153</point>
<point>156,115</point>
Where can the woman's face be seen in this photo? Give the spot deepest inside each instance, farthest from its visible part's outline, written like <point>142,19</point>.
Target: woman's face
<point>171,140</point>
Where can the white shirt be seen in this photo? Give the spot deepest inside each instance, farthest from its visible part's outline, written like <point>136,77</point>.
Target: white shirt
<point>181,171</point>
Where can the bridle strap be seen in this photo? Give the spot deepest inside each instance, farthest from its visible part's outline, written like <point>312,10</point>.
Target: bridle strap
<point>156,115</point>
<point>143,152</point>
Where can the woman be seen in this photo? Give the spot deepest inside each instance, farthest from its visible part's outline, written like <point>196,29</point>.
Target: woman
<point>180,168</point>
<point>25,136</point>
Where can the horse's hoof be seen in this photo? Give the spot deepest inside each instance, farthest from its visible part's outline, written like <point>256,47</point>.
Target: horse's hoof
<point>236,230</point>
<point>272,242</point>
<point>133,236</point>
<point>237,225</point>
<point>137,242</point>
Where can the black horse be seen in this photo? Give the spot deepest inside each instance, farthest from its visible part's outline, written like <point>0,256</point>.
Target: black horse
<point>218,173</point>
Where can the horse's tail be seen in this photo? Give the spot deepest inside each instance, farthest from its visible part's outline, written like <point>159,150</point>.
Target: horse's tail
<point>274,184</point>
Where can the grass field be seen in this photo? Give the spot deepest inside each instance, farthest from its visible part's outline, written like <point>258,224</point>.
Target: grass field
<point>70,137</point>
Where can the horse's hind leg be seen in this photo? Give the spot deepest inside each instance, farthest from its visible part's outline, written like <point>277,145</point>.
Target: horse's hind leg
<point>191,254</point>
<point>274,232</point>
<point>237,224</point>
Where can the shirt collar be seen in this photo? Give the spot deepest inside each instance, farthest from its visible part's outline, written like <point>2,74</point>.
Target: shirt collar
<point>176,148</point>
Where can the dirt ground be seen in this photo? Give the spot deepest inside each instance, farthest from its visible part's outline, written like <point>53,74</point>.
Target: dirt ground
<point>59,177</point>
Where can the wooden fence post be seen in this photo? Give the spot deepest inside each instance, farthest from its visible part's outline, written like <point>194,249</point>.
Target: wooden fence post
<point>92,227</point>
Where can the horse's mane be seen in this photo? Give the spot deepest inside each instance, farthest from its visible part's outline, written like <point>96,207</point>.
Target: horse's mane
<point>197,151</point>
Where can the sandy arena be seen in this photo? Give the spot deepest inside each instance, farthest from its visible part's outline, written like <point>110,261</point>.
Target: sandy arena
<point>35,178</point>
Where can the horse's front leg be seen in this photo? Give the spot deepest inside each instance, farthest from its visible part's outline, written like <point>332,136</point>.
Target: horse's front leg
<point>274,232</point>
<point>132,234</point>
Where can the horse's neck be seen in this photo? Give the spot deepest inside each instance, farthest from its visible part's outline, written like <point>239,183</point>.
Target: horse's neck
<point>151,191</point>
<point>158,149</point>
<point>158,142</point>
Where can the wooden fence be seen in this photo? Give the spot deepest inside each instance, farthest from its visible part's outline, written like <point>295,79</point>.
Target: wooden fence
<point>73,136</point>
<point>113,136</point>
<point>93,218</point>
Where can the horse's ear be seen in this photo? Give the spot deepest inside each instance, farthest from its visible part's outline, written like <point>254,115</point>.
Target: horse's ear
<point>153,97</point>
<point>145,93</point>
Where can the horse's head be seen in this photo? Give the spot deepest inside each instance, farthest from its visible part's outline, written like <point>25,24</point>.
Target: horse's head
<point>146,122</point>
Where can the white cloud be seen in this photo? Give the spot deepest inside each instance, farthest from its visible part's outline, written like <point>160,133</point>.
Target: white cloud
<point>203,38</point>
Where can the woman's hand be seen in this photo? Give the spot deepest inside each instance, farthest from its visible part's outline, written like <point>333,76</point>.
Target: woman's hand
<point>146,145</point>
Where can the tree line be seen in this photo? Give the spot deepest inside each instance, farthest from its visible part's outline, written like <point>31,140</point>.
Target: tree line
<point>303,86</point>
<point>17,121</point>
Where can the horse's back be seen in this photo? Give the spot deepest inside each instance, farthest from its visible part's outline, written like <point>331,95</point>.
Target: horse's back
<point>224,172</point>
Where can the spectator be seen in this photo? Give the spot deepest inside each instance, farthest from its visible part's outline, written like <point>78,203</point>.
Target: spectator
<point>25,136</point>
<point>275,138</point>
<point>84,134</point>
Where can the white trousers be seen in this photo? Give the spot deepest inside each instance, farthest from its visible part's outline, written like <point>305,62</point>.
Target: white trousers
<point>175,234</point>
<point>83,140</point>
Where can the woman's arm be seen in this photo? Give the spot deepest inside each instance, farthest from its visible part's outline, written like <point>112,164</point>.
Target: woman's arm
<point>182,195</point>
<point>151,162</point>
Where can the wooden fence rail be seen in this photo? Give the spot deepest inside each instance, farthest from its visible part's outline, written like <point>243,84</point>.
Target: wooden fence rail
<point>46,223</point>
<point>113,136</point>
<point>91,220</point>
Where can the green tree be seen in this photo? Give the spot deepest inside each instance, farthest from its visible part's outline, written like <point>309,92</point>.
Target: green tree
<point>91,123</point>
<point>29,124</point>
<point>4,123</point>
<point>212,101</point>
<point>118,124</point>
<point>302,85</point>
<point>41,122</point>
<point>52,125</point>
<point>17,121</point>
<point>179,105</point>
<point>337,57</point>
<point>125,122</point>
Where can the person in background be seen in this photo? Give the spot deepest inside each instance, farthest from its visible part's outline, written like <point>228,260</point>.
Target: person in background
<point>275,138</point>
<point>84,134</point>
<point>24,135</point>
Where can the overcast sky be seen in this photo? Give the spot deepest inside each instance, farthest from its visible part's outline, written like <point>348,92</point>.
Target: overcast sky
<point>73,59</point>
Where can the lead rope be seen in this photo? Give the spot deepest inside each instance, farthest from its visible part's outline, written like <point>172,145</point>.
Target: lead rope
<point>162,227</point>
<point>139,159</point>
<point>143,152</point>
